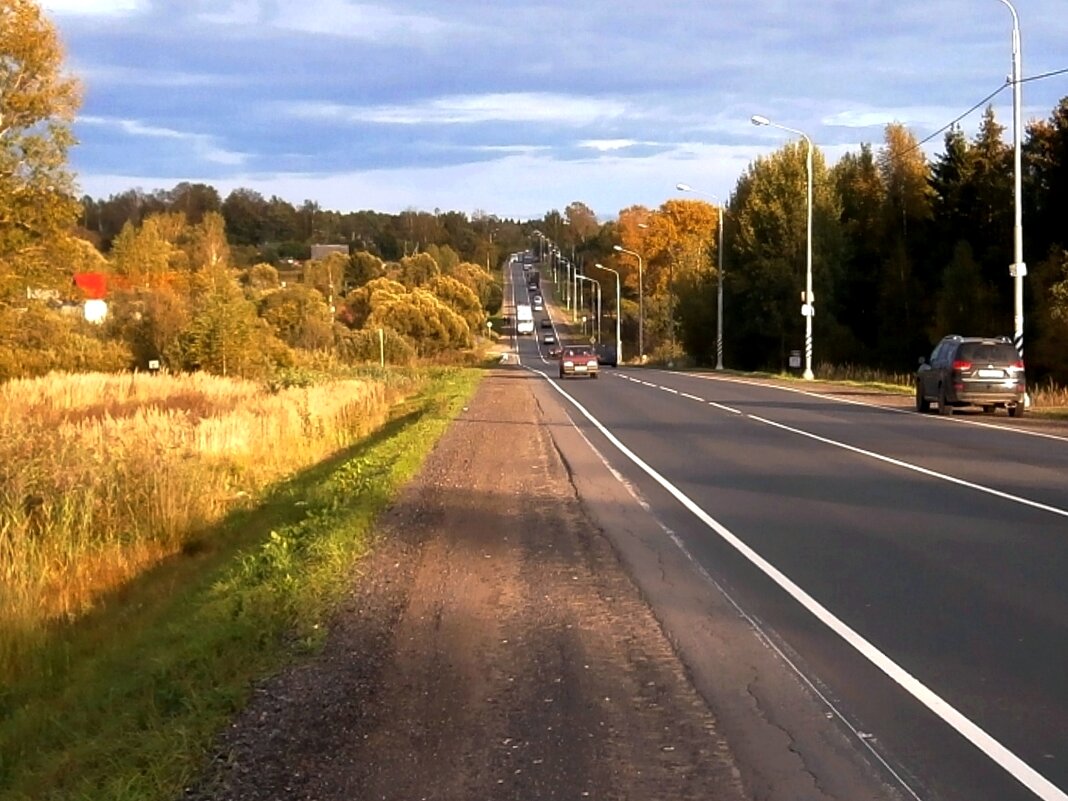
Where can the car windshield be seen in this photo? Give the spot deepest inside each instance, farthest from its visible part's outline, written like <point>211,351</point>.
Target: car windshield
<point>988,352</point>
<point>578,352</point>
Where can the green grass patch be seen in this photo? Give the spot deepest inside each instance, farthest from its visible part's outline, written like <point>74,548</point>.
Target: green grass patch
<point>125,703</point>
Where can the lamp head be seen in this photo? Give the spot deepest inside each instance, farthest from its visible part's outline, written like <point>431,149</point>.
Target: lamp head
<point>756,119</point>
<point>599,266</point>
<point>684,187</point>
<point>617,247</point>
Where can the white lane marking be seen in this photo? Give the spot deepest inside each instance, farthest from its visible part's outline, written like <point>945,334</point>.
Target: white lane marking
<point>692,397</point>
<point>724,408</point>
<point>1027,432</point>
<point>915,468</point>
<point>669,389</point>
<point>754,624</point>
<point>647,384</point>
<point>999,754</point>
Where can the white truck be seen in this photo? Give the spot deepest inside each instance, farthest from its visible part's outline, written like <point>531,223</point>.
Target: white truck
<point>524,319</point>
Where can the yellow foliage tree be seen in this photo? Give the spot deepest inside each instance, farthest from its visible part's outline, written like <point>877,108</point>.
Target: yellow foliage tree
<point>37,107</point>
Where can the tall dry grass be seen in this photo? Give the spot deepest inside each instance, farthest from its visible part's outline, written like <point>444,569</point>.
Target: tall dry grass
<point>102,476</point>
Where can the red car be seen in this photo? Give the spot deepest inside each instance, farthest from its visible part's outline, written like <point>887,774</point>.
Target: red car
<point>578,360</point>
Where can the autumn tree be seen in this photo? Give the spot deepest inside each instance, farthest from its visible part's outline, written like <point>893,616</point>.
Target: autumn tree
<point>862,194</point>
<point>768,253</point>
<point>904,296</point>
<point>261,277</point>
<point>205,242</point>
<point>299,316</point>
<point>1046,182</point>
<point>150,323</point>
<point>224,335</point>
<point>460,298</point>
<point>488,289</point>
<point>361,302</point>
<point>362,267</point>
<point>142,254</point>
<point>413,271</point>
<point>426,321</point>
<point>37,107</point>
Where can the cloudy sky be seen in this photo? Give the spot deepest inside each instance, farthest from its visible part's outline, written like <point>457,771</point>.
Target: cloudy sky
<point>515,107</point>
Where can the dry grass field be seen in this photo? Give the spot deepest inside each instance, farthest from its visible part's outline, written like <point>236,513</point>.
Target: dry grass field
<point>102,476</point>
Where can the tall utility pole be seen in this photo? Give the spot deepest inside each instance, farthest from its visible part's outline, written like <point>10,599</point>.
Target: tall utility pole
<point>1018,269</point>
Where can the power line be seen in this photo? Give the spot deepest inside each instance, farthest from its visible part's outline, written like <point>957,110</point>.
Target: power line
<point>1044,75</point>
<point>955,120</point>
<point>986,99</point>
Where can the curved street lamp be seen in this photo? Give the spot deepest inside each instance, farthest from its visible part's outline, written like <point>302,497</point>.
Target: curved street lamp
<point>641,301</point>
<point>809,308</point>
<point>619,338</point>
<point>719,291</point>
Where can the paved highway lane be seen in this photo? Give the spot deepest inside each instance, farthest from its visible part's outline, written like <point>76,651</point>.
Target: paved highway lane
<point>956,585</point>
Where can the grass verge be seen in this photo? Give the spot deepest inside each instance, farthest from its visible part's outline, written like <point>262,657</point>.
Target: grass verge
<point>127,700</point>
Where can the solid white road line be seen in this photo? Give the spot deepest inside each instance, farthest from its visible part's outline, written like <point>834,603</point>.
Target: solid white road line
<point>999,754</point>
<point>754,624</point>
<point>1027,432</point>
<point>914,467</point>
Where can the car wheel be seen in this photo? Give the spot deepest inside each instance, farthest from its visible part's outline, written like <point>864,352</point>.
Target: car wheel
<point>593,375</point>
<point>988,408</point>
<point>1017,410</point>
<point>561,373</point>
<point>922,404</point>
<point>943,404</point>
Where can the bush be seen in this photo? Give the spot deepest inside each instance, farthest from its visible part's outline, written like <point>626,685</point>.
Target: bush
<point>38,340</point>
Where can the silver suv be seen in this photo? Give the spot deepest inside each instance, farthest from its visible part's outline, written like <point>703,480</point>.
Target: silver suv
<point>976,371</point>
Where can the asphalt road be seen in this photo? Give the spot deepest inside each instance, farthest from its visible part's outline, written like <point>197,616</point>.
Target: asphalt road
<point>910,569</point>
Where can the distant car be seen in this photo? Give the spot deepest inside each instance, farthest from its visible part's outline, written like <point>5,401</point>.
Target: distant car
<point>578,360</point>
<point>980,371</point>
<point>606,354</point>
<point>549,339</point>
<point>546,322</point>
<point>537,299</point>
<point>554,353</point>
<point>526,267</point>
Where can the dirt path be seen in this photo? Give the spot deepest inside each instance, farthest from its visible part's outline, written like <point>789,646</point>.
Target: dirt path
<point>492,648</point>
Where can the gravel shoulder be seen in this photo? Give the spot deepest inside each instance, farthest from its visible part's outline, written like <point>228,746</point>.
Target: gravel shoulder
<point>492,646</point>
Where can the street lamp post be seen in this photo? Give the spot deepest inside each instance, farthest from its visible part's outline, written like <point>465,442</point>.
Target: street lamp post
<point>575,292</point>
<point>596,284</point>
<point>641,301</point>
<point>719,291</point>
<point>1018,269</point>
<point>809,308</point>
<point>619,337</point>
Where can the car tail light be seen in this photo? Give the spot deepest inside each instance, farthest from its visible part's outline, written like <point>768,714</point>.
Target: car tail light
<point>960,364</point>
<point>1018,365</point>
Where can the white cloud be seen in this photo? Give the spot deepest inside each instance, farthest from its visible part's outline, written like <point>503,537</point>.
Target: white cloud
<point>203,145</point>
<point>914,116</point>
<point>241,12</point>
<point>471,109</point>
<point>92,7</point>
<point>364,21</point>
<point>136,76</point>
<point>607,145</point>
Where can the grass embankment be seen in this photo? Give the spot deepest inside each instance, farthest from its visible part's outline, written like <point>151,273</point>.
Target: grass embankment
<point>119,689</point>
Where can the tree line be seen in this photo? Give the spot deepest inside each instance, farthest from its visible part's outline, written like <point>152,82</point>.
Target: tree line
<point>905,250</point>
